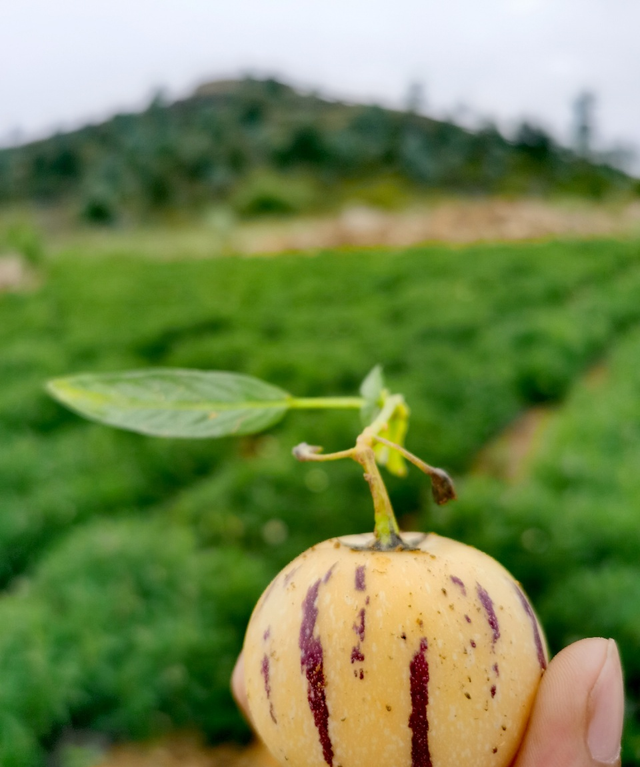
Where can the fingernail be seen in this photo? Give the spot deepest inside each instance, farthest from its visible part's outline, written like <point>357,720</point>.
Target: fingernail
<point>606,708</point>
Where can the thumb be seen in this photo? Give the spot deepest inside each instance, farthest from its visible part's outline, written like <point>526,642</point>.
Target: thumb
<point>577,717</point>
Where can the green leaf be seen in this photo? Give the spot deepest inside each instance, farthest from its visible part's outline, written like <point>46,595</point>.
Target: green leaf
<point>373,385</point>
<point>170,402</point>
<point>372,390</point>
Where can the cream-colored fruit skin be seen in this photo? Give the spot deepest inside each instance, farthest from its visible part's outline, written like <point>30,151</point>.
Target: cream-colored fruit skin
<point>409,596</point>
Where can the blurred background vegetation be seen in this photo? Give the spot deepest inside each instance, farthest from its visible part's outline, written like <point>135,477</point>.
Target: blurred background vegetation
<point>129,565</point>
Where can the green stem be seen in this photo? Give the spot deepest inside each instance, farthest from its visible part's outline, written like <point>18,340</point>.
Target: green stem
<point>388,409</point>
<point>304,452</point>
<point>386,530</point>
<point>315,403</point>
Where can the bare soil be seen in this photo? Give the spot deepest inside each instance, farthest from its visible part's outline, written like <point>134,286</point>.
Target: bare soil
<point>508,456</point>
<point>14,273</point>
<point>459,221</point>
<point>456,220</point>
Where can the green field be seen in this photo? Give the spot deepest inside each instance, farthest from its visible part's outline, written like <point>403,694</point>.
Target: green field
<point>130,565</point>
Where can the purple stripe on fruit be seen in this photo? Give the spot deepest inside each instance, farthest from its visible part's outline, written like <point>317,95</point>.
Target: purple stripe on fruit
<point>359,628</point>
<point>487,603</point>
<point>267,686</point>
<point>312,662</point>
<point>329,573</point>
<point>534,624</point>
<point>418,721</point>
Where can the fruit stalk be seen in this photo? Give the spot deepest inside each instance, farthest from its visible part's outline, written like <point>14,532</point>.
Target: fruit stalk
<point>386,530</point>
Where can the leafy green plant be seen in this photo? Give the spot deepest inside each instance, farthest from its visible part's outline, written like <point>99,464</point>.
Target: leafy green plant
<point>25,239</point>
<point>264,194</point>
<point>192,403</point>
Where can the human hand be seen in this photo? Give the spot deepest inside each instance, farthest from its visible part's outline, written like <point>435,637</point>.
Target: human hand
<point>577,716</point>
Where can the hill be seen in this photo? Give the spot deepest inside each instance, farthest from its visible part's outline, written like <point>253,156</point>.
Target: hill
<point>262,147</point>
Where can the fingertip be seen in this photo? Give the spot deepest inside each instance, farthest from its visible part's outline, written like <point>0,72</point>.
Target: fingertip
<point>606,709</point>
<point>577,715</point>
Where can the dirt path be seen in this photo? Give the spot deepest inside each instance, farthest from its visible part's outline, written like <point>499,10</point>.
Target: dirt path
<point>461,221</point>
<point>508,456</point>
<point>454,221</point>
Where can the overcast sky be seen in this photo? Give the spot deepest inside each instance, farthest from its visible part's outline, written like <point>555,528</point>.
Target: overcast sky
<point>66,62</point>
